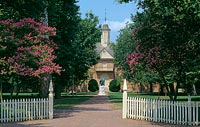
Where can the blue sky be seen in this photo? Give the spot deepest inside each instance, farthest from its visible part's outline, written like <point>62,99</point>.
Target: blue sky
<point>117,14</point>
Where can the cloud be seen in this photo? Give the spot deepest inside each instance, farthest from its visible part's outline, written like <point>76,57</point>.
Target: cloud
<point>117,25</point>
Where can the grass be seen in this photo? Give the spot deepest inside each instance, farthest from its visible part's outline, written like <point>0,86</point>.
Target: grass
<point>68,101</point>
<point>20,95</point>
<point>116,97</point>
<point>156,96</point>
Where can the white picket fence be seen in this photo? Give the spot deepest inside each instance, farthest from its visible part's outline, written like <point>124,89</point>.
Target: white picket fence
<point>24,109</point>
<point>27,109</point>
<point>185,113</point>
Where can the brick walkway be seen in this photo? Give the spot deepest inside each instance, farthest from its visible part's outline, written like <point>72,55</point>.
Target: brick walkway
<point>96,112</point>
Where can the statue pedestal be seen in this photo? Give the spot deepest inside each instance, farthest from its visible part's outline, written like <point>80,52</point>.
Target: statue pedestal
<point>102,90</point>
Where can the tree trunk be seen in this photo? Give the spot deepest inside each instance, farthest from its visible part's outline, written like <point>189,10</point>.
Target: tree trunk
<point>1,94</point>
<point>57,91</point>
<point>166,85</point>
<point>44,86</point>
<point>194,90</point>
<point>161,90</point>
<point>151,87</point>
<point>11,93</point>
<point>176,91</point>
<point>181,78</point>
<point>73,89</point>
<point>171,86</point>
<point>140,87</point>
<point>44,89</point>
<point>18,90</point>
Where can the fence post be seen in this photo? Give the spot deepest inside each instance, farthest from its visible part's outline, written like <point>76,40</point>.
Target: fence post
<point>189,110</point>
<point>51,100</point>
<point>124,110</point>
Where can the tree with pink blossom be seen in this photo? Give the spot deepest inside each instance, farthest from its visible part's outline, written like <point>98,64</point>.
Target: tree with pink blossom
<point>25,50</point>
<point>167,33</point>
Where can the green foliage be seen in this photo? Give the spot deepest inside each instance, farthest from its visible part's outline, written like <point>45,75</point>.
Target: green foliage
<point>85,56</point>
<point>75,37</point>
<point>143,74</point>
<point>93,85</point>
<point>114,86</point>
<point>173,28</point>
<point>19,9</point>
<point>76,40</point>
<point>116,99</point>
<point>125,44</point>
<point>64,16</point>
<point>125,1</point>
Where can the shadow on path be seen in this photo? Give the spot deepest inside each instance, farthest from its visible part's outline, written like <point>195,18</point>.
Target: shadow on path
<point>89,106</point>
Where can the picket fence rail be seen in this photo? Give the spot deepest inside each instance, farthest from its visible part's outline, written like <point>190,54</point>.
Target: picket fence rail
<point>24,109</point>
<point>184,113</point>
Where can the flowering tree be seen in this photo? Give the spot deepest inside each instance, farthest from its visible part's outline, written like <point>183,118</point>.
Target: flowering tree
<point>25,49</point>
<point>168,34</point>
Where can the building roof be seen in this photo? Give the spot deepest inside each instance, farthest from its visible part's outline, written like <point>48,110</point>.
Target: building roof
<point>105,27</point>
<point>100,48</point>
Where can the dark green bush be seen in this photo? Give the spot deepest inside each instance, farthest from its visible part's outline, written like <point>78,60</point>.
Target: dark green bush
<point>93,85</point>
<point>114,86</point>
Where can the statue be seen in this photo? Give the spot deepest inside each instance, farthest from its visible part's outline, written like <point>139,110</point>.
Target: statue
<point>102,82</point>
<point>102,87</point>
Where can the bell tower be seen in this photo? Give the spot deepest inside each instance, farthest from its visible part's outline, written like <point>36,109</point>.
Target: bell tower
<point>105,36</point>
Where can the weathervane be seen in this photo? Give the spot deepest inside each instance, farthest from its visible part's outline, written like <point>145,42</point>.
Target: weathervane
<point>105,16</point>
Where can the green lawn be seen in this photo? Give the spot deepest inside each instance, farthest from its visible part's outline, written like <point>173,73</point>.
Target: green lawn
<point>21,95</point>
<point>68,101</point>
<point>116,97</point>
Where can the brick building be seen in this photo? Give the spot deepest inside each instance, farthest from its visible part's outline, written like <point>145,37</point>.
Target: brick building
<point>105,67</point>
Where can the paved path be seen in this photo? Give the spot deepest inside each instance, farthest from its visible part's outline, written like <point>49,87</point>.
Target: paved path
<point>96,112</point>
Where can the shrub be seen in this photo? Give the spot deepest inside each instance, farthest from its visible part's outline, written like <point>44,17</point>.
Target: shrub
<point>114,86</point>
<point>93,85</point>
